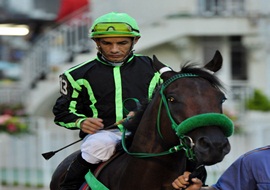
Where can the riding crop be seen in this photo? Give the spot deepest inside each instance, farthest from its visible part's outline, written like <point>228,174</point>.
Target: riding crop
<point>48,155</point>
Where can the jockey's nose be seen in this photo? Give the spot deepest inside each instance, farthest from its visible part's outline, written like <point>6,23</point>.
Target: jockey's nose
<point>115,48</point>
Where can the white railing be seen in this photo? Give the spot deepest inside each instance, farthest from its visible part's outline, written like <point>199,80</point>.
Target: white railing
<point>21,162</point>
<point>11,94</point>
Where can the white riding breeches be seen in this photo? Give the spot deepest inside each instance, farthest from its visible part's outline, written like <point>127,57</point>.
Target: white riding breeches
<point>99,147</point>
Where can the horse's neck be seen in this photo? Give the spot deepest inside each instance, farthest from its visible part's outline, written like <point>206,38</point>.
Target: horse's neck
<point>145,136</point>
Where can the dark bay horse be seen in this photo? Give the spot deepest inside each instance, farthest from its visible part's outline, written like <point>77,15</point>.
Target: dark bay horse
<point>181,128</point>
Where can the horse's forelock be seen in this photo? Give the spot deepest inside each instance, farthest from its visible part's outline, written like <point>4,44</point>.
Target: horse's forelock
<point>195,68</point>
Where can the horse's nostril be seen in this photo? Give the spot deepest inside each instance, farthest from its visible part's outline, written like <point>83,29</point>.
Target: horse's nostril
<point>204,143</point>
<point>226,148</point>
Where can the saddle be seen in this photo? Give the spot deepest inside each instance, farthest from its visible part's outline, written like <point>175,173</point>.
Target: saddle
<point>102,165</point>
<point>91,178</point>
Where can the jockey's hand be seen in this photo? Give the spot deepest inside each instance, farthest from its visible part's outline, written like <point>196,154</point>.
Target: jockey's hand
<point>92,125</point>
<point>182,182</point>
<point>131,114</point>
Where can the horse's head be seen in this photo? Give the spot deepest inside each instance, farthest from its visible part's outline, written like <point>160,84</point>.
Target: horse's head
<point>192,101</point>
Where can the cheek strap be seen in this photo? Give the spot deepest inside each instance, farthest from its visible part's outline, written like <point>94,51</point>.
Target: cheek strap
<point>206,119</point>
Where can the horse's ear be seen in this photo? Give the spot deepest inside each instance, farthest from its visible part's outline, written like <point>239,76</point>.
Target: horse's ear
<point>157,64</point>
<point>164,70</point>
<point>216,63</point>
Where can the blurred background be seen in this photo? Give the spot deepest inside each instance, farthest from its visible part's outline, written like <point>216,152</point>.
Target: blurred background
<point>39,39</point>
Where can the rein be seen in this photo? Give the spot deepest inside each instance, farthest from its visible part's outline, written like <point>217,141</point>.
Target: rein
<point>186,143</point>
<point>182,146</point>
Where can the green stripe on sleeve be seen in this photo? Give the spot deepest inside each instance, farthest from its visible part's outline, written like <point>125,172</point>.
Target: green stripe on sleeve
<point>67,125</point>
<point>91,97</point>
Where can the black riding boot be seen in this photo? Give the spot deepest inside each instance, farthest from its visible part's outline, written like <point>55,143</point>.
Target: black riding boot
<point>75,173</point>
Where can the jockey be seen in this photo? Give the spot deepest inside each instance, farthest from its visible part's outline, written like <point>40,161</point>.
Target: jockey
<point>93,92</point>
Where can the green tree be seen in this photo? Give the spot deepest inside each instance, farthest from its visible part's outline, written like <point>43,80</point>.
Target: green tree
<point>259,101</point>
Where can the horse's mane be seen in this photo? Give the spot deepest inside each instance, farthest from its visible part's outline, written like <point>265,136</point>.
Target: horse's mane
<point>203,73</point>
<point>185,68</point>
<point>133,123</point>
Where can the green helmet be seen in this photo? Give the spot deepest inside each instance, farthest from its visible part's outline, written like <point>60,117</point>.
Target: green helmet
<point>114,25</point>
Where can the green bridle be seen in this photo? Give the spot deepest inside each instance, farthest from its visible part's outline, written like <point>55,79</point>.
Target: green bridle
<point>186,143</point>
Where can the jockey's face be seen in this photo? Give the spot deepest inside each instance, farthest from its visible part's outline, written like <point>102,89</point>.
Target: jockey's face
<point>115,49</point>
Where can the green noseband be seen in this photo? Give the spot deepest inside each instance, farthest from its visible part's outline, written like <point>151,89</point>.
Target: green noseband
<point>206,119</point>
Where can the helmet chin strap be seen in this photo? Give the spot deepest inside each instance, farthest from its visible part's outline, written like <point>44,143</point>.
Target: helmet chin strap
<point>116,63</point>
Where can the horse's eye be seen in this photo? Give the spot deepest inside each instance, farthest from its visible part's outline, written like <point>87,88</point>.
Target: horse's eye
<point>223,100</point>
<point>171,99</point>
